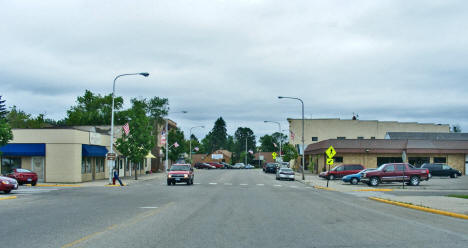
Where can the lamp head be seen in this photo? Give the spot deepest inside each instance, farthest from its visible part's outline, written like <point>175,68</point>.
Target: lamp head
<point>184,112</point>
<point>265,121</point>
<point>280,97</point>
<point>145,74</point>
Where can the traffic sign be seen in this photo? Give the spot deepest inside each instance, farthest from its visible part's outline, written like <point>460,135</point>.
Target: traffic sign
<point>274,154</point>
<point>111,156</point>
<point>330,152</point>
<point>330,161</point>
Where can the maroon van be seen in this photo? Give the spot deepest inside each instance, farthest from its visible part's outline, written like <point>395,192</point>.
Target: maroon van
<point>341,171</point>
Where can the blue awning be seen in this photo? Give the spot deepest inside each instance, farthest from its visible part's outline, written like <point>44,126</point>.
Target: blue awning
<point>93,151</point>
<point>23,150</point>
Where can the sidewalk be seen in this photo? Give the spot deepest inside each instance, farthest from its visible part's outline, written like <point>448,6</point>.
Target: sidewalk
<point>105,182</point>
<point>444,203</point>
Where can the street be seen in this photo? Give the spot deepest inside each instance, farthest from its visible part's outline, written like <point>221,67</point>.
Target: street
<point>224,208</point>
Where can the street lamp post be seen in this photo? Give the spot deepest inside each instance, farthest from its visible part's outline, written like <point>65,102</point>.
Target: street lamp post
<point>190,137</point>
<point>112,162</point>
<point>281,137</point>
<point>166,163</point>
<point>303,148</point>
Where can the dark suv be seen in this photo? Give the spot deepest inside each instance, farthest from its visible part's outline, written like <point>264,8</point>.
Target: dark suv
<point>442,170</point>
<point>271,167</point>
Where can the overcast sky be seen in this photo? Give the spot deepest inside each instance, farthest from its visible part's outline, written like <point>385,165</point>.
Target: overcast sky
<point>385,60</point>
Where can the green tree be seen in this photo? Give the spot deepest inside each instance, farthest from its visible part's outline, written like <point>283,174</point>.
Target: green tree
<point>289,152</point>
<point>136,145</point>
<point>195,143</point>
<point>176,136</point>
<point>94,109</point>
<point>5,130</point>
<point>266,143</point>
<point>3,110</point>
<point>240,136</point>
<point>20,119</point>
<point>218,135</point>
<point>230,143</point>
<point>207,144</point>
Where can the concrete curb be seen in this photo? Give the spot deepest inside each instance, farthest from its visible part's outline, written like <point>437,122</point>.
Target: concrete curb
<point>8,198</point>
<point>324,188</point>
<point>58,185</point>
<point>425,209</point>
<point>373,190</point>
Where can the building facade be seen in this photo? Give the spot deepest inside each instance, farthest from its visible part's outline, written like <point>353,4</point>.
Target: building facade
<point>316,130</point>
<point>373,153</point>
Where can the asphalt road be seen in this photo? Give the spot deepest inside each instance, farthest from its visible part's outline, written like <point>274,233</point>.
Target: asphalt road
<point>225,208</point>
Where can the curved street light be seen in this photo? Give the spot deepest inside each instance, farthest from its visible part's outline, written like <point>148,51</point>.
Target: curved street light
<point>166,162</point>
<point>303,148</point>
<point>112,162</point>
<point>281,138</point>
<point>190,137</point>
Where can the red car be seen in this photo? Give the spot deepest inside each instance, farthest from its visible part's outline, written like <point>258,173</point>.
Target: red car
<point>395,172</point>
<point>23,176</point>
<point>180,173</point>
<point>217,165</point>
<point>341,171</point>
<point>8,184</point>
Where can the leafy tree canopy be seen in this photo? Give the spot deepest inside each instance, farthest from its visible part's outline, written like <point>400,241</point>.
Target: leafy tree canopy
<point>267,142</point>
<point>240,136</point>
<point>136,145</point>
<point>20,119</point>
<point>176,135</point>
<point>289,153</point>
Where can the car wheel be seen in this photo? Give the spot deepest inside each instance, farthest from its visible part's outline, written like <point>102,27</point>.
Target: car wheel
<point>414,181</point>
<point>374,181</point>
<point>354,181</point>
<point>188,182</point>
<point>429,175</point>
<point>33,183</point>
<point>331,177</point>
<point>7,191</point>
<point>454,175</point>
<point>173,183</point>
<point>168,183</point>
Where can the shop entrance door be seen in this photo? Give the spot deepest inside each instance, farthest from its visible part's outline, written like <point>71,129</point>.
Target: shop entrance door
<point>37,165</point>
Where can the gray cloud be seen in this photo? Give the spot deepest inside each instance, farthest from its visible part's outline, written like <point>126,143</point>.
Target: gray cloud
<point>386,60</point>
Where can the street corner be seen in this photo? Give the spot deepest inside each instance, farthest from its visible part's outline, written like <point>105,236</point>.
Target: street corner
<point>7,197</point>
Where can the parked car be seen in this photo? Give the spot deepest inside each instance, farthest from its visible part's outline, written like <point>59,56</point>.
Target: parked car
<point>442,170</point>
<point>354,178</point>
<point>204,166</point>
<point>23,176</point>
<point>226,165</point>
<point>341,171</point>
<point>216,165</point>
<point>395,172</point>
<point>271,167</point>
<point>285,173</point>
<point>238,166</point>
<point>8,184</point>
<point>180,173</point>
<point>249,166</point>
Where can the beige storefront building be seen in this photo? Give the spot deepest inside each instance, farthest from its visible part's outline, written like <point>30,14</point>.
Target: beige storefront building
<point>316,130</point>
<point>61,155</point>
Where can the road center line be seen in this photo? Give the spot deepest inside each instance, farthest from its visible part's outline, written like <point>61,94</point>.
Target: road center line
<point>213,183</point>
<point>260,184</point>
<point>243,184</point>
<point>277,185</point>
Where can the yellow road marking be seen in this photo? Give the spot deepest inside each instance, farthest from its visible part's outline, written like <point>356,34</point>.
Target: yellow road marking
<point>425,209</point>
<point>138,218</point>
<point>7,198</point>
<point>324,188</point>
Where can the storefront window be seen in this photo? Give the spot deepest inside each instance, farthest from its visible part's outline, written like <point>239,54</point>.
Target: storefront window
<point>88,165</point>
<point>440,160</point>
<point>83,165</point>
<point>10,163</point>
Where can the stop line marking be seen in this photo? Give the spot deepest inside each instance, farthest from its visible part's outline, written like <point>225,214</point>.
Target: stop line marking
<point>277,185</point>
<point>213,183</point>
<point>149,207</point>
<point>243,184</point>
<point>260,184</point>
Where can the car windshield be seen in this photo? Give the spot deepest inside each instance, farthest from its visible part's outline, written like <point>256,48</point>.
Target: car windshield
<point>22,170</point>
<point>180,168</point>
<point>381,167</point>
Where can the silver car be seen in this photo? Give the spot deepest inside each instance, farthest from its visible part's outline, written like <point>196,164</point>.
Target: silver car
<point>285,173</point>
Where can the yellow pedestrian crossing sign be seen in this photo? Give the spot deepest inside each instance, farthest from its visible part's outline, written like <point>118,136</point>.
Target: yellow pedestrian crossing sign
<point>274,155</point>
<point>330,152</point>
<point>330,161</point>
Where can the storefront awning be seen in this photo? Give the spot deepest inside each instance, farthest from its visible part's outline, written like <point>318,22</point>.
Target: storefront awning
<point>93,151</point>
<point>23,150</point>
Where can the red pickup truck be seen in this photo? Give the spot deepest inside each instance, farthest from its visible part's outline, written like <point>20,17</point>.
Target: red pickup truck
<point>395,172</point>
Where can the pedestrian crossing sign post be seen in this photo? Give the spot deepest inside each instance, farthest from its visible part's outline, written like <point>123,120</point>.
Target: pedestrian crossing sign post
<point>274,154</point>
<point>330,154</point>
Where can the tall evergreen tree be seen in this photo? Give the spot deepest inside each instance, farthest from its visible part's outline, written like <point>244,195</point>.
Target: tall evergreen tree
<point>218,135</point>
<point>240,136</point>
<point>5,130</point>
